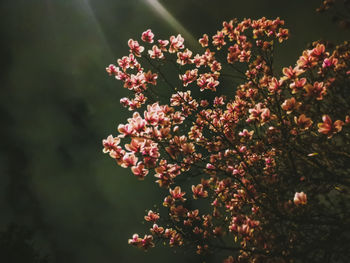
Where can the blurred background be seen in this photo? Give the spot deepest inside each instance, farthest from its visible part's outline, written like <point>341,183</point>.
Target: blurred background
<point>57,103</point>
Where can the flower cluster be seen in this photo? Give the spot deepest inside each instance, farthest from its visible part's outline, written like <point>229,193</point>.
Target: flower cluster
<point>270,160</point>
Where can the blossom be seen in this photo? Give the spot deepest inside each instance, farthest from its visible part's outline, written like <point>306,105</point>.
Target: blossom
<point>317,90</point>
<point>219,40</point>
<point>156,229</point>
<point>328,127</point>
<point>151,77</point>
<point>259,113</point>
<point>112,69</point>
<point>306,61</point>
<point>152,216</point>
<point>204,40</point>
<point>143,243</point>
<point>303,122</point>
<point>241,150</point>
<point>135,47</point>
<point>300,198</point>
<point>319,51</point>
<point>189,76</point>
<point>110,144</point>
<point>297,85</point>
<point>176,43</point>
<point>207,81</point>
<point>156,52</point>
<point>184,57</point>
<point>129,159</point>
<point>177,194</point>
<point>329,62</point>
<point>275,85</point>
<point>125,130</point>
<point>123,63</point>
<point>147,36</point>
<point>198,191</point>
<point>282,34</point>
<point>162,44</point>
<point>246,133</point>
<point>290,105</point>
<point>139,170</point>
<point>291,73</point>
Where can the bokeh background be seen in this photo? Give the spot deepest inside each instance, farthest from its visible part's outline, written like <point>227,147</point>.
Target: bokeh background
<point>57,103</point>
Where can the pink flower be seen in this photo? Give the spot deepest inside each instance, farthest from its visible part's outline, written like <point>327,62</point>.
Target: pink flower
<point>198,191</point>
<point>219,40</point>
<point>207,81</point>
<point>204,40</point>
<point>215,66</point>
<point>282,34</point>
<point>112,70</point>
<point>317,90</point>
<point>319,51</point>
<point>306,61</point>
<point>135,240</point>
<point>189,77</point>
<point>291,73</point>
<point>151,216</point>
<point>297,85</point>
<point>177,194</point>
<point>129,159</point>
<point>198,60</point>
<point>135,47</point>
<point>136,145</point>
<point>143,243</point>
<point>162,44</point>
<point>184,57</point>
<point>156,229</point>
<point>147,36</point>
<point>328,127</point>
<point>123,63</point>
<point>176,43</point>
<point>329,62</point>
<point>259,113</point>
<point>245,133</point>
<point>290,104</point>
<point>125,130</point>
<point>156,52</point>
<point>151,77</point>
<point>110,144</point>
<point>303,122</point>
<point>275,85</point>
<point>300,198</point>
<point>138,124</point>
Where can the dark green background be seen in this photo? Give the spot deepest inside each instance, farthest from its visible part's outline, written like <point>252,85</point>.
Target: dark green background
<point>57,103</point>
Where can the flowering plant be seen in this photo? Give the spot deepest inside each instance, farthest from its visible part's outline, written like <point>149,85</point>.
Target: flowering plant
<point>262,170</point>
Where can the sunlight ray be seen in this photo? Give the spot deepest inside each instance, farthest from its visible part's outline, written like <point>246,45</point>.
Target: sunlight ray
<point>85,5</point>
<point>172,21</point>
